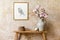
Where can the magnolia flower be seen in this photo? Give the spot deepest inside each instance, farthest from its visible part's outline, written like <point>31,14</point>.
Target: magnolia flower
<point>43,13</point>
<point>36,10</point>
<point>37,7</point>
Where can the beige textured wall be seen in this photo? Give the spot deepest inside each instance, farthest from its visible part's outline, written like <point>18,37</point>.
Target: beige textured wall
<point>8,25</point>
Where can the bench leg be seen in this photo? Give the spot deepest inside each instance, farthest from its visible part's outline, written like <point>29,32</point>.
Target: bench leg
<point>16,36</point>
<point>44,36</point>
<point>19,36</point>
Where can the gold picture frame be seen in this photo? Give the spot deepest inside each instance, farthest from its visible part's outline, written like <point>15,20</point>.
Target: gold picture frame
<point>20,10</point>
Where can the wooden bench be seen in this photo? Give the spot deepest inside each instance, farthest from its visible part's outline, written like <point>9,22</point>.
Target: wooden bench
<point>43,33</point>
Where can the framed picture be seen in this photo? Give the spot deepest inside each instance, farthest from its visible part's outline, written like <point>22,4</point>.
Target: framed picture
<point>20,11</point>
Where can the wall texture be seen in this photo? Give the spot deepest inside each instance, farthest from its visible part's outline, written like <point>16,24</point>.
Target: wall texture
<point>8,25</point>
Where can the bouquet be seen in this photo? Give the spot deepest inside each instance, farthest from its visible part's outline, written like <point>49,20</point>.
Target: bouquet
<point>40,13</point>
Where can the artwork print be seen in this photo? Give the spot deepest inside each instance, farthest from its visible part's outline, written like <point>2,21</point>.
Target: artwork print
<point>20,10</point>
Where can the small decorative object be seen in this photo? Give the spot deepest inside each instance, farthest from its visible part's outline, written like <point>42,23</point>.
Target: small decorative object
<point>21,28</point>
<point>20,10</point>
<point>36,29</point>
<point>42,15</point>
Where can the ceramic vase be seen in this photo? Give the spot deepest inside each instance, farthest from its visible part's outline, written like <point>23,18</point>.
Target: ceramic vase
<point>40,24</point>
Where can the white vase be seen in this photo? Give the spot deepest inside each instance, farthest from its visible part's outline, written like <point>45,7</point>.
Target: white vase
<point>40,24</point>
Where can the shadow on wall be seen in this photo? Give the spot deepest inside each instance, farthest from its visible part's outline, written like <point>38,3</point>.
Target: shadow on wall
<point>49,28</point>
